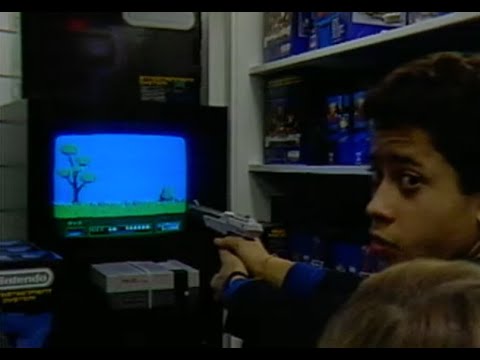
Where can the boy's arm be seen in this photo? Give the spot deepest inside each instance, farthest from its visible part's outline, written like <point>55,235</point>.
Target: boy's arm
<point>291,316</point>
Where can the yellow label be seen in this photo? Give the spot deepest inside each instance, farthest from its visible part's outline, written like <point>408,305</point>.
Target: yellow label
<point>284,81</point>
<point>161,80</point>
<point>13,297</point>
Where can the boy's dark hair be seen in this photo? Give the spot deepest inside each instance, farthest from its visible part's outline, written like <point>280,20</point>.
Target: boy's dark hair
<point>439,94</point>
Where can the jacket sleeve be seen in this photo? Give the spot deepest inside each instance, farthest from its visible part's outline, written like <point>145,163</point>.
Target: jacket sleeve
<point>292,316</point>
<point>302,280</point>
<point>249,304</point>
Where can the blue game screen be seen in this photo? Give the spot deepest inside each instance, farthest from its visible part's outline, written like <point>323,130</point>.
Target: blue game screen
<point>119,184</point>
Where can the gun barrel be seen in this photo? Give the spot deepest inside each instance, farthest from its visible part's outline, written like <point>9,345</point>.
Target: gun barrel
<point>227,222</point>
<point>205,210</point>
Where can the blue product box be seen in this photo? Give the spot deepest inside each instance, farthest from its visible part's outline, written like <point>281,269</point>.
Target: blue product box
<point>286,34</point>
<point>359,121</point>
<point>360,147</point>
<point>336,27</point>
<point>320,251</point>
<point>362,132</point>
<point>275,239</point>
<point>284,113</point>
<point>414,17</point>
<point>27,289</point>
<point>338,123</point>
<point>347,257</point>
<point>304,246</point>
<point>312,40</point>
<point>322,30</point>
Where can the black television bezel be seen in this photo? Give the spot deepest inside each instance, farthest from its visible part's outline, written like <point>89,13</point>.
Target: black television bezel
<point>203,128</point>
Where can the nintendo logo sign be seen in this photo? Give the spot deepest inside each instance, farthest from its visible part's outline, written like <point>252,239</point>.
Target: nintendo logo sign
<point>25,279</point>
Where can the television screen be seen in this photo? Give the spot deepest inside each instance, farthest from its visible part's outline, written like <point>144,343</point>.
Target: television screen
<point>108,185</point>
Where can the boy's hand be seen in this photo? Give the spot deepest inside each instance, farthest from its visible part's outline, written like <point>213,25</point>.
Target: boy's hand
<point>250,253</point>
<point>230,264</point>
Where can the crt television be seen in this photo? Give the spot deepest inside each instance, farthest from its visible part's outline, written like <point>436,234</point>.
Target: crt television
<point>118,184</point>
<point>118,172</point>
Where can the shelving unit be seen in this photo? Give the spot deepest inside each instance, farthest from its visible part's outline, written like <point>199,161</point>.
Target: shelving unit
<point>365,45</point>
<point>311,169</point>
<point>458,31</point>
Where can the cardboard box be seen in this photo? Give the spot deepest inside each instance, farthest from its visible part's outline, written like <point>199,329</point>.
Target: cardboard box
<point>27,276</point>
<point>275,239</point>
<point>414,17</point>
<point>338,120</point>
<point>362,131</point>
<point>286,34</point>
<point>284,111</point>
<point>336,27</point>
<point>28,286</point>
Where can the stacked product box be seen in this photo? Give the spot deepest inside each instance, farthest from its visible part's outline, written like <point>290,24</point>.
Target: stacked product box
<point>291,33</point>
<point>347,257</point>
<point>348,131</point>
<point>338,120</point>
<point>415,17</point>
<point>336,27</point>
<point>296,132</point>
<point>361,132</point>
<point>28,287</point>
<point>340,254</point>
<point>293,130</point>
<point>285,107</point>
<point>285,34</point>
<point>275,239</point>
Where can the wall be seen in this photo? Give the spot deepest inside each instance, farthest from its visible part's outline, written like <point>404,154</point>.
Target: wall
<point>10,59</point>
<point>246,134</point>
<point>12,176</point>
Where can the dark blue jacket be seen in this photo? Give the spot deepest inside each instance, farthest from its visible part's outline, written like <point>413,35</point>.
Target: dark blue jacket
<point>293,316</point>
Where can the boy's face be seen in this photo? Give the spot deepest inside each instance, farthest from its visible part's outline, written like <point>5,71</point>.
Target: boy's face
<point>417,207</point>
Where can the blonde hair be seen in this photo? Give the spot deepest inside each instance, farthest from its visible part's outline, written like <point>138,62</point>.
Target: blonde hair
<point>420,303</point>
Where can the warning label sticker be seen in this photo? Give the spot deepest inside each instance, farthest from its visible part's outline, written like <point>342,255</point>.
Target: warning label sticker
<point>164,88</point>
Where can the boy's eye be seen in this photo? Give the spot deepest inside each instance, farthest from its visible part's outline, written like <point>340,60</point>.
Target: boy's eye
<point>375,176</point>
<point>410,181</point>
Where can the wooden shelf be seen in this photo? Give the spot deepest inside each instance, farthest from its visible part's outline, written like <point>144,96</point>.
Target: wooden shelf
<point>367,47</point>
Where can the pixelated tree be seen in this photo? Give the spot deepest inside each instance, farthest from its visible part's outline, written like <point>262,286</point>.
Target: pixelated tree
<point>167,194</point>
<point>76,175</point>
